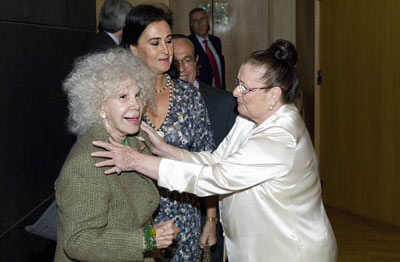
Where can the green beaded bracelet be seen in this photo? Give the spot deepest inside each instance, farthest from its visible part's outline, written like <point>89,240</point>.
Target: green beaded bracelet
<point>149,234</point>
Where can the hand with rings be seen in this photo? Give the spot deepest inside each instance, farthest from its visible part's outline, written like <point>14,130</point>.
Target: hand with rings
<point>119,157</point>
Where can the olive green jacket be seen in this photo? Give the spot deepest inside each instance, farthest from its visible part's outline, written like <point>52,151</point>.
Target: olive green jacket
<point>101,217</point>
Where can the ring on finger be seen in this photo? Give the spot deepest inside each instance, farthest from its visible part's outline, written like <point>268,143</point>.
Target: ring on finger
<point>118,170</point>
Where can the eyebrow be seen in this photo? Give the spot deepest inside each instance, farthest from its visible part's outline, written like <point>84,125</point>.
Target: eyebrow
<point>240,81</point>
<point>159,38</point>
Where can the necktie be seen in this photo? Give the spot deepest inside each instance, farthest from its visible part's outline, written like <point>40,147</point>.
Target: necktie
<point>214,65</point>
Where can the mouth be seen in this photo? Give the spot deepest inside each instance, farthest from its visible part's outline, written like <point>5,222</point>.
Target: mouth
<point>164,60</point>
<point>134,120</point>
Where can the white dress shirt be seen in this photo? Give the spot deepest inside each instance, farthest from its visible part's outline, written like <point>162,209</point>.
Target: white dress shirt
<point>269,190</point>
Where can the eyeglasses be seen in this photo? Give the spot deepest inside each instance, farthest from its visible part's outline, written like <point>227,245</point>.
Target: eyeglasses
<point>186,62</point>
<point>246,90</point>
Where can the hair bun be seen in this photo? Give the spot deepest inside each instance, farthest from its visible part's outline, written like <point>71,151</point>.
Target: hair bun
<point>283,51</point>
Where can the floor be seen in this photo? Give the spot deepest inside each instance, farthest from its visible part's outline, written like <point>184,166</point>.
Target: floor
<point>361,240</point>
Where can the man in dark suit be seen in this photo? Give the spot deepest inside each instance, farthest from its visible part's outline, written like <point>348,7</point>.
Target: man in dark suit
<point>111,21</point>
<point>221,107</point>
<point>208,47</point>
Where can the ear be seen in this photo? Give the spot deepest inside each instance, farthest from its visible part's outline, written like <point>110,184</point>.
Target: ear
<point>275,93</point>
<point>196,58</point>
<point>133,50</point>
<point>102,112</point>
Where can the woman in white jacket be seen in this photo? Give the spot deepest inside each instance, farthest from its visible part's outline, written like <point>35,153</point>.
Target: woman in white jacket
<point>265,171</point>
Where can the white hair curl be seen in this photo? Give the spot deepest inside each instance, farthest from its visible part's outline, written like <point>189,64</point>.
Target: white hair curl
<point>97,77</point>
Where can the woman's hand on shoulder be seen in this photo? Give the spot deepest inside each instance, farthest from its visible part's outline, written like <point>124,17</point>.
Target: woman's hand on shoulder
<point>118,157</point>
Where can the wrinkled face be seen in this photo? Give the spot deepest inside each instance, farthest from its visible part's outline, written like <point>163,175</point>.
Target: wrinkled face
<point>185,59</point>
<point>199,23</point>
<point>123,111</point>
<point>254,104</point>
<point>154,46</point>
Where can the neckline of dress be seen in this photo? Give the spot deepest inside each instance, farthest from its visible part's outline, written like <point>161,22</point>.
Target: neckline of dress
<point>170,100</point>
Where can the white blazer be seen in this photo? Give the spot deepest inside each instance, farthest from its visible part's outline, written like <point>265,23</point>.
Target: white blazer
<point>269,190</point>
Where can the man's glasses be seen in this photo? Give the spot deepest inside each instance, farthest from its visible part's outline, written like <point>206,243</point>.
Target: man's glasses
<point>244,89</point>
<point>186,62</point>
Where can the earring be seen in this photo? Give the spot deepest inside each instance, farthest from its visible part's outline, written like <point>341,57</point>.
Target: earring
<point>103,116</point>
<point>270,107</point>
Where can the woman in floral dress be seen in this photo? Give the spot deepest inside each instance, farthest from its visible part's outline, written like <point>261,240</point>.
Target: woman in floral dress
<point>178,115</point>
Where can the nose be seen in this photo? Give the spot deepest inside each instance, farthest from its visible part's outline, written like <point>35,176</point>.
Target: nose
<point>181,66</point>
<point>237,92</point>
<point>164,48</point>
<point>135,103</point>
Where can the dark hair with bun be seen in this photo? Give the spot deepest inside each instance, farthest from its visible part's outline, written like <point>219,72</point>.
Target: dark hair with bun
<point>139,18</point>
<point>279,61</point>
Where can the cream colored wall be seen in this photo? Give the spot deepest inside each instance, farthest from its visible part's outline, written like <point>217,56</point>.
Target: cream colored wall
<point>282,20</point>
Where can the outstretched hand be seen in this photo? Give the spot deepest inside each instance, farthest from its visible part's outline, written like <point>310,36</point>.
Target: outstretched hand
<point>119,157</point>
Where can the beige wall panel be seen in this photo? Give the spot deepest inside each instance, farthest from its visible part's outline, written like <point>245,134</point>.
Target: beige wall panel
<point>360,97</point>
<point>283,20</point>
<point>247,31</point>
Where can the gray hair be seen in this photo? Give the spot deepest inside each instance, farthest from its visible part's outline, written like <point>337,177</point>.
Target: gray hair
<point>112,15</point>
<point>96,78</point>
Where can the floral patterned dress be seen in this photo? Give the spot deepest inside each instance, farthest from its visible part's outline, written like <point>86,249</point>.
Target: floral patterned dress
<point>185,126</point>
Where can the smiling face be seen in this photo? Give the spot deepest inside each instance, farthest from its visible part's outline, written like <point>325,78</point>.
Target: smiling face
<point>154,47</point>
<point>254,104</point>
<point>184,55</point>
<point>123,111</point>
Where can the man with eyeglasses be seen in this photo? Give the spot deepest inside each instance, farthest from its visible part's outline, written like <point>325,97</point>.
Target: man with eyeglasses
<point>208,47</point>
<point>221,107</point>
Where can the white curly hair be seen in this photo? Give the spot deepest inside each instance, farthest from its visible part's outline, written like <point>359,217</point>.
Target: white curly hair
<point>97,77</point>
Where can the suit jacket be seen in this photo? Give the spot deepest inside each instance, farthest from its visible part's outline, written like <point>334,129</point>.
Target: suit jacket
<point>101,217</point>
<point>269,188</point>
<point>222,110</point>
<point>206,73</point>
<point>99,42</point>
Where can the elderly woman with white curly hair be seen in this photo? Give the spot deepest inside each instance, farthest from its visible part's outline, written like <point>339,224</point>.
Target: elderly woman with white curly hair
<point>107,218</point>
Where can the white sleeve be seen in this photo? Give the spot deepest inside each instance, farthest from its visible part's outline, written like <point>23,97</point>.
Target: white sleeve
<point>264,156</point>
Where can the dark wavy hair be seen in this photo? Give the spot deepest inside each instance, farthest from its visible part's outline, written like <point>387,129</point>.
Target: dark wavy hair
<point>279,61</point>
<point>139,18</point>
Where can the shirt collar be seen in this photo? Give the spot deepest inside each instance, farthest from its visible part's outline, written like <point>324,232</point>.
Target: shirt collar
<point>113,37</point>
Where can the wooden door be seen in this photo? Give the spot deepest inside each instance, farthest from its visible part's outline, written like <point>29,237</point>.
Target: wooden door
<point>359,107</point>
<point>252,25</point>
